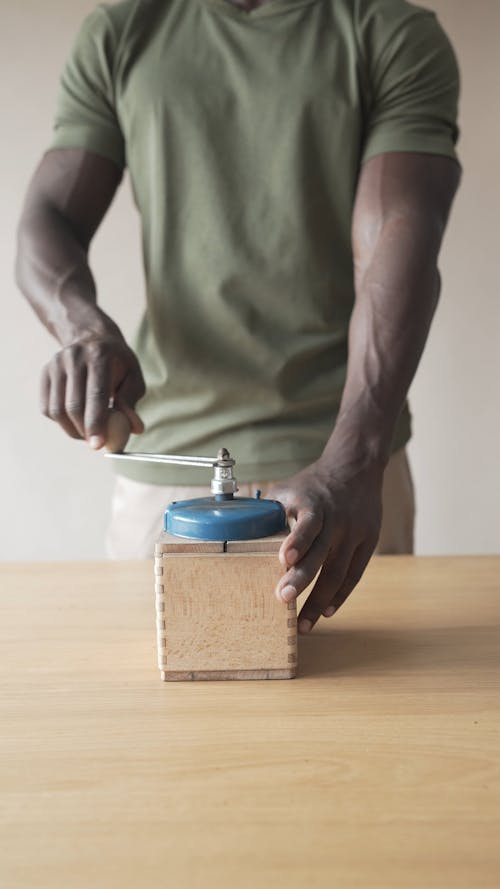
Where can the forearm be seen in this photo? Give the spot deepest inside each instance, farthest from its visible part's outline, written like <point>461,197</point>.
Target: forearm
<point>400,216</point>
<point>66,202</point>
<point>53,273</point>
<point>396,296</point>
<point>67,199</point>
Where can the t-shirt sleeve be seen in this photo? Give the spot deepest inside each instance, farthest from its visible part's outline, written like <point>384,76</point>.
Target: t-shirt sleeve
<point>411,79</point>
<point>86,114</point>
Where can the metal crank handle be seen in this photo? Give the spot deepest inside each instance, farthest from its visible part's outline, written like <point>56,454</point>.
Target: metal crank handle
<point>223,457</point>
<point>223,481</point>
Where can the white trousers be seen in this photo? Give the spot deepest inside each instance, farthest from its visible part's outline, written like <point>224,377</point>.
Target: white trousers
<point>137,511</point>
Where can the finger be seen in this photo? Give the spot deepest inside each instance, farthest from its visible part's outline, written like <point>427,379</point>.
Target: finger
<point>127,395</point>
<point>297,578</point>
<point>118,432</point>
<point>136,424</point>
<point>76,381</point>
<point>330,580</point>
<point>97,398</point>
<point>57,400</point>
<point>356,570</point>
<point>306,529</point>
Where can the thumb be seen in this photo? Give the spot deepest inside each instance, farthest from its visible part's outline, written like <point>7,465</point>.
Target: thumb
<point>125,399</point>
<point>136,424</point>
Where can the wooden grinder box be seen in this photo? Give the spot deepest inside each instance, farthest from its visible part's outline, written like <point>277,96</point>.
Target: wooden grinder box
<point>216,613</point>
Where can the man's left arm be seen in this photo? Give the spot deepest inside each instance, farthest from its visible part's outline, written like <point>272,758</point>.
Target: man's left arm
<point>400,214</point>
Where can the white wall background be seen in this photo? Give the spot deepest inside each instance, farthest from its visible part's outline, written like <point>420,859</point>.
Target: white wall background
<point>55,493</point>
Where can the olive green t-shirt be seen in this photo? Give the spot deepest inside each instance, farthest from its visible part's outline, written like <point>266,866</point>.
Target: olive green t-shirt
<point>244,134</point>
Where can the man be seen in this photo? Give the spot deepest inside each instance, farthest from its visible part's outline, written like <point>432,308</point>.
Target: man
<point>293,164</point>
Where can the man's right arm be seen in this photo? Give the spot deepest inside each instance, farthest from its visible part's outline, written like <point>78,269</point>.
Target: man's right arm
<point>68,197</point>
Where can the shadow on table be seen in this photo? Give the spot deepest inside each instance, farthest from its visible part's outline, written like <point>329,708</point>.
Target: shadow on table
<point>359,651</point>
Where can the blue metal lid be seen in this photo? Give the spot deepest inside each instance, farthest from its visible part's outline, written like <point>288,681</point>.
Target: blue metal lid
<point>234,518</point>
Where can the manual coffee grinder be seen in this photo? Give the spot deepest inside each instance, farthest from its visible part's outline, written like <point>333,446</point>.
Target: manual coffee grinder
<point>216,567</point>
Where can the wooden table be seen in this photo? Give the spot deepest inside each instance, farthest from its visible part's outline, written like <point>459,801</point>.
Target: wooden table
<point>377,767</point>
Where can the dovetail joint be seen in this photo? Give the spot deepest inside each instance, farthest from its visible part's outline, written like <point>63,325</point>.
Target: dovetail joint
<point>160,613</point>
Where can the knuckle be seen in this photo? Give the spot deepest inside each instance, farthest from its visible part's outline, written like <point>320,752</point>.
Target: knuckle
<point>56,372</point>
<point>302,538</point>
<point>55,361</point>
<point>70,359</point>
<point>72,354</point>
<point>96,415</point>
<point>97,393</point>
<point>304,574</point>
<point>306,570</point>
<point>56,412</point>
<point>309,523</point>
<point>95,349</point>
<point>97,357</point>
<point>54,368</point>
<point>94,423</point>
<point>308,507</point>
<point>75,408</point>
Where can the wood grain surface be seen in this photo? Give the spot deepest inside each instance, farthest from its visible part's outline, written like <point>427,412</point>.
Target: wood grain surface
<point>217,617</point>
<point>377,768</point>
